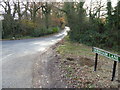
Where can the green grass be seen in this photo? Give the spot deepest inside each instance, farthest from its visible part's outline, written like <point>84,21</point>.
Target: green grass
<point>76,49</point>
<point>73,48</point>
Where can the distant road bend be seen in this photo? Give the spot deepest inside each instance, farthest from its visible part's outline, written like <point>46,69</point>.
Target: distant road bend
<point>18,55</point>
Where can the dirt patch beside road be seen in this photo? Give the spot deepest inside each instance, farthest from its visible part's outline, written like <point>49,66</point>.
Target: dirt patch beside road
<point>46,72</point>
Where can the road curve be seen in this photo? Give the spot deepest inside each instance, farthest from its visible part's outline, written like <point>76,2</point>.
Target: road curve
<point>18,56</point>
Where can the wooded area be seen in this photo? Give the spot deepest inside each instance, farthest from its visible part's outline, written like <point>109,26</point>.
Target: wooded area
<point>92,27</point>
<point>31,19</point>
<point>96,25</point>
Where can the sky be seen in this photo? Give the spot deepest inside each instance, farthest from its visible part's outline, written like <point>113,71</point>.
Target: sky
<point>114,2</point>
<point>87,2</point>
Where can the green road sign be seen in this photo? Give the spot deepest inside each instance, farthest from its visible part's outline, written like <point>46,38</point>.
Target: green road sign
<point>107,54</point>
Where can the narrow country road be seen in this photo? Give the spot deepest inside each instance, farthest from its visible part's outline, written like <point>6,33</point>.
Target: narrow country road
<point>18,57</point>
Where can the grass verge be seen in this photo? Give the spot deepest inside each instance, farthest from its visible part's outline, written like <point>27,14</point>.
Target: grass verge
<point>77,64</point>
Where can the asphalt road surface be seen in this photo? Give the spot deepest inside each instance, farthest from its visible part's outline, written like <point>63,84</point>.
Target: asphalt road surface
<point>18,57</point>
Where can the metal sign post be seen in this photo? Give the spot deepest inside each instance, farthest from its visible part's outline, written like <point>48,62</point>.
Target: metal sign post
<point>96,58</point>
<point>109,55</point>
<point>114,70</point>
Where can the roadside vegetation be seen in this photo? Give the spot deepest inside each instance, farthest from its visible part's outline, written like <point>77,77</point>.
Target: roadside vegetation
<point>97,25</point>
<point>30,19</point>
<point>76,63</point>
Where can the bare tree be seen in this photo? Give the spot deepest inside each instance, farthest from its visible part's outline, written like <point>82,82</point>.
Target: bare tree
<point>33,9</point>
<point>96,8</point>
